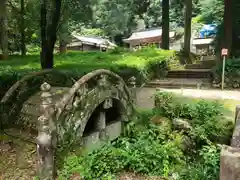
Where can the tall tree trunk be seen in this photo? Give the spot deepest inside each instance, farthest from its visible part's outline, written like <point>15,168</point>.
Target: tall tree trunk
<point>63,36</point>
<point>165,24</point>
<point>43,25</point>
<point>187,30</point>
<point>4,29</point>
<point>62,46</point>
<point>49,31</point>
<point>228,26</point>
<point>22,29</point>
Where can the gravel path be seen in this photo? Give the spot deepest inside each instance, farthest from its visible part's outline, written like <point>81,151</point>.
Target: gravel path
<point>145,95</point>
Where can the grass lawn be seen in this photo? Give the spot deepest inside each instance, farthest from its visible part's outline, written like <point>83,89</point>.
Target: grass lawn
<point>143,64</point>
<point>88,61</point>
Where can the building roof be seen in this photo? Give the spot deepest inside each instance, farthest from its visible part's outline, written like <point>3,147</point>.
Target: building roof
<point>202,41</point>
<point>154,33</point>
<point>97,41</point>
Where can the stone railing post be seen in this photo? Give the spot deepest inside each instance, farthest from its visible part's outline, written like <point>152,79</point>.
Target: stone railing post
<point>229,163</point>
<point>101,122</point>
<point>230,155</point>
<point>237,115</point>
<point>46,139</point>
<point>132,82</point>
<point>108,103</point>
<point>235,142</point>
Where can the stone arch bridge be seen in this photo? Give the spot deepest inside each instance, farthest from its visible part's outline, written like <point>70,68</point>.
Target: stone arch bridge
<point>56,107</point>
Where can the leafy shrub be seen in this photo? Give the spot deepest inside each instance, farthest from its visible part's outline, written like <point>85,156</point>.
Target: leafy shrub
<point>149,150</point>
<point>205,116</point>
<point>207,166</point>
<point>158,69</point>
<point>232,73</point>
<point>140,64</point>
<point>117,50</point>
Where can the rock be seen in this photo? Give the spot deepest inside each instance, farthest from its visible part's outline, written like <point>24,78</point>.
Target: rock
<point>187,143</point>
<point>159,120</point>
<point>75,176</point>
<point>174,176</point>
<point>181,124</point>
<point>164,122</point>
<point>216,85</point>
<point>235,85</point>
<point>230,163</point>
<point>5,147</point>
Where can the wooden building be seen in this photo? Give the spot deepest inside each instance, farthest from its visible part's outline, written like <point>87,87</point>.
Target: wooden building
<point>147,37</point>
<point>87,43</point>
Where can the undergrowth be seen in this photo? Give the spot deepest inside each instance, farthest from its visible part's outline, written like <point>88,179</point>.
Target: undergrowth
<point>144,64</point>
<point>151,148</point>
<point>232,73</point>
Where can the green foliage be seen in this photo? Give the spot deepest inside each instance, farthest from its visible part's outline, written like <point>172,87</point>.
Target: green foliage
<point>143,151</point>
<point>207,166</point>
<point>158,69</point>
<point>126,64</point>
<point>31,17</point>
<point>115,17</point>
<point>232,73</point>
<point>205,117</point>
<point>152,150</point>
<point>212,11</point>
<point>93,32</point>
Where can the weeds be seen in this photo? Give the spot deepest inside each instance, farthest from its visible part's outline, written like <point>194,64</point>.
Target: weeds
<point>151,149</point>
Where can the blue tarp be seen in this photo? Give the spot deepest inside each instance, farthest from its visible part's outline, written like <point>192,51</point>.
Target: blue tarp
<point>208,30</point>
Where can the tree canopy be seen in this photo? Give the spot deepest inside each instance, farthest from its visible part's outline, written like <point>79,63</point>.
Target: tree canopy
<point>109,18</point>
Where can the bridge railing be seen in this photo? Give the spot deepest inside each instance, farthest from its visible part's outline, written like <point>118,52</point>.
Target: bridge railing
<point>50,113</point>
<point>230,155</point>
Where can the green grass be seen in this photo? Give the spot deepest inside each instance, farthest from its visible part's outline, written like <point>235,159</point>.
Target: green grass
<point>89,60</point>
<point>142,64</point>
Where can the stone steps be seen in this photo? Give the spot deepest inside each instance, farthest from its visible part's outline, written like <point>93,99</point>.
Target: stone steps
<point>190,74</point>
<point>195,66</point>
<point>207,62</point>
<point>180,83</point>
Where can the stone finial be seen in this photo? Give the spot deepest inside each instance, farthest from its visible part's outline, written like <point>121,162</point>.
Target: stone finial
<point>102,82</point>
<point>46,135</point>
<point>132,81</point>
<point>45,87</point>
<point>46,95</point>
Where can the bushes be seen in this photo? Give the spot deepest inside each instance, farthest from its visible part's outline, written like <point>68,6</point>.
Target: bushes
<point>157,149</point>
<point>205,117</point>
<point>149,150</point>
<point>145,64</point>
<point>207,166</point>
<point>232,73</point>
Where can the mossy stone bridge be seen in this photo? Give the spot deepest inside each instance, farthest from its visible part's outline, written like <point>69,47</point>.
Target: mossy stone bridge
<point>62,111</point>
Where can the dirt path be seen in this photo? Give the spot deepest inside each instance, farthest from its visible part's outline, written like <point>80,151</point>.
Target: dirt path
<point>145,95</point>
